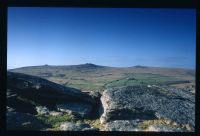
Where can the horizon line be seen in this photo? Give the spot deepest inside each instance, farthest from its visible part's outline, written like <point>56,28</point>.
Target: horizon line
<point>148,66</point>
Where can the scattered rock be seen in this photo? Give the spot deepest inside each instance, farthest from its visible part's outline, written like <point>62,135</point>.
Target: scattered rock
<point>95,95</point>
<point>80,109</point>
<point>9,109</point>
<point>149,86</point>
<point>68,126</point>
<point>42,110</point>
<point>189,128</point>
<point>55,113</point>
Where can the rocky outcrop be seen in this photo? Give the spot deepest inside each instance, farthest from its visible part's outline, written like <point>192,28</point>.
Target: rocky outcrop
<point>121,109</point>
<point>146,103</point>
<point>68,126</point>
<point>25,92</point>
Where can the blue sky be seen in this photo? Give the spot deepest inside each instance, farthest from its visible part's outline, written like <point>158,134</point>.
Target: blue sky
<point>120,37</point>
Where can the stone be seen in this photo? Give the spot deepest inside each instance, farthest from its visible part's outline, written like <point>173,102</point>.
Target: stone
<point>79,109</point>
<point>189,128</point>
<point>42,110</point>
<point>9,109</point>
<point>55,113</point>
<point>149,86</point>
<point>69,126</point>
<point>121,125</point>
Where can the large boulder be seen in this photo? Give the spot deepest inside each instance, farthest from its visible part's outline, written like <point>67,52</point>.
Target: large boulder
<point>25,92</point>
<point>148,103</point>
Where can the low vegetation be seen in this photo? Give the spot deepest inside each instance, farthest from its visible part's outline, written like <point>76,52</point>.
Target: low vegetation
<point>55,121</point>
<point>93,123</point>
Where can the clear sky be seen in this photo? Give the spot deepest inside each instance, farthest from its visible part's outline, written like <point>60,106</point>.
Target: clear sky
<point>104,36</point>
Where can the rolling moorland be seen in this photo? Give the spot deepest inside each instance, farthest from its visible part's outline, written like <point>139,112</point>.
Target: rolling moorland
<point>91,97</point>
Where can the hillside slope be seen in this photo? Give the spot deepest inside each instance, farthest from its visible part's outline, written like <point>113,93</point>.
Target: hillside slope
<point>91,77</point>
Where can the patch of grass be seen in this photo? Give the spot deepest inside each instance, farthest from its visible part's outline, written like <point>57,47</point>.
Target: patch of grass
<point>85,86</point>
<point>142,79</point>
<point>55,121</point>
<point>122,82</point>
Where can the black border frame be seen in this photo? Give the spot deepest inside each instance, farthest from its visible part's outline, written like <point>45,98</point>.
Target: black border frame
<point>4,4</point>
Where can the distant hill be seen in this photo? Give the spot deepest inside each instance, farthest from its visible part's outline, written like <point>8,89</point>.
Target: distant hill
<point>92,77</point>
<point>139,66</point>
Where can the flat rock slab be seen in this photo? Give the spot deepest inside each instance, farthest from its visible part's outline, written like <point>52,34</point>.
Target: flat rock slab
<point>132,125</point>
<point>147,103</point>
<point>121,125</point>
<point>69,126</point>
<point>163,128</point>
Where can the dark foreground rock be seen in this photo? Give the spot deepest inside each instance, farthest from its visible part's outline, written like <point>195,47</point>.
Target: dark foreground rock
<point>68,126</point>
<point>25,93</point>
<point>146,103</point>
<point>23,121</point>
<point>19,103</point>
